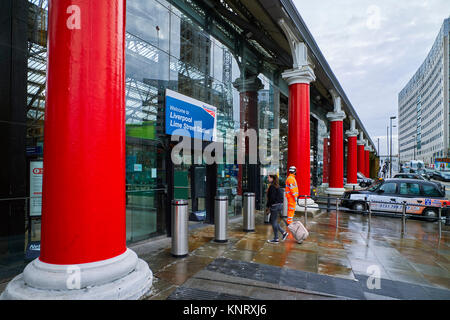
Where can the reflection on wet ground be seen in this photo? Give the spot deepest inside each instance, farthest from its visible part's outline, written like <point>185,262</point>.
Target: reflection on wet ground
<point>419,257</point>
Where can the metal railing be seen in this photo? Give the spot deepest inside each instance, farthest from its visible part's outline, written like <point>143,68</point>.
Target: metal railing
<point>329,203</point>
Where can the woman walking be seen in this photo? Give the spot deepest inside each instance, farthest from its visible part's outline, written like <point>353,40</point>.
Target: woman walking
<point>275,205</point>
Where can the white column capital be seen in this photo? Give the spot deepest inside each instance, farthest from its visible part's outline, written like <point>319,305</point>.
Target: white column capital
<point>337,114</point>
<point>302,67</point>
<point>352,132</point>
<point>304,74</point>
<point>366,145</point>
<point>360,141</point>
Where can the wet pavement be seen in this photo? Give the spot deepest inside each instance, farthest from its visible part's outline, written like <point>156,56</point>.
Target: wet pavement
<point>333,263</point>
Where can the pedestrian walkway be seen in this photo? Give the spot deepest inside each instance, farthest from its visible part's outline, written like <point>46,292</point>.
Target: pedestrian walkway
<point>331,264</point>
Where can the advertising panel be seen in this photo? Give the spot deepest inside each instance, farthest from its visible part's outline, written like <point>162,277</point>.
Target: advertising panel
<point>36,174</point>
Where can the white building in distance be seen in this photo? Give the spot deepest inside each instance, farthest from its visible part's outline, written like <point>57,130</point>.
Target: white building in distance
<point>423,106</point>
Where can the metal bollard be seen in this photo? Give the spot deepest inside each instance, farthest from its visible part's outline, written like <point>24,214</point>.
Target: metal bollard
<point>404,218</point>
<point>306,212</point>
<point>267,216</point>
<point>221,219</point>
<point>249,211</point>
<point>370,214</point>
<point>328,203</point>
<point>440,223</point>
<point>180,243</point>
<point>285,206</point>
<point>337,213</point>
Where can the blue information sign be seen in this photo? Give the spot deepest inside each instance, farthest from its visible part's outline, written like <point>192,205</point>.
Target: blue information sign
<point>188,117</point>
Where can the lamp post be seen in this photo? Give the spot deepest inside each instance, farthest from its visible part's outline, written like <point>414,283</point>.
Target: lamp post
<point>390,152</point>
<point>415,142</point>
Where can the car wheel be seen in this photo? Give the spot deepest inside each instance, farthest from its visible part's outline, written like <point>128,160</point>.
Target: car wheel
<point>359,206</point>
<point>430,214</point>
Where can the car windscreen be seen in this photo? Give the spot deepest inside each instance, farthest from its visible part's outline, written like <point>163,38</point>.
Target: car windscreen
<point>375,187</point>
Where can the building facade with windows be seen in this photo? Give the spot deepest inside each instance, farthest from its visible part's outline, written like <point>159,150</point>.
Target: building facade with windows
<point>423,106</point>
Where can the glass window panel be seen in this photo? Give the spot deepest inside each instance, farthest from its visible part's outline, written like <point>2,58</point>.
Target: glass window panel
<point>410,189</point>
<point>389,187</point>
<point>150,21</point>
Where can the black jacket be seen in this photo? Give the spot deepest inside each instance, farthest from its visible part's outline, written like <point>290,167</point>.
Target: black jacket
<point>274,196</point>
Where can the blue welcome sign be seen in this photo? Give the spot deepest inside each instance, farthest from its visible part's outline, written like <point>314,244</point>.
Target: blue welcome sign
<point>188,117</point>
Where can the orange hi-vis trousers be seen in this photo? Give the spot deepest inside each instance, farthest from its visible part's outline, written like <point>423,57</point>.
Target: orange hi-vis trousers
<point>291,210</point>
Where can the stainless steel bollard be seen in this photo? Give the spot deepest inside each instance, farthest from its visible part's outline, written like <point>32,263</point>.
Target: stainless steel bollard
<point>285,206</point>
<point>306,211</point>
<point>440,223</point>
<point>370,214</point>
<point>221,219</point>
<point>337,213</point>
<point>180,243</point>
<point>404,218</point>
<point>267,215</point>
<point>249,211</point>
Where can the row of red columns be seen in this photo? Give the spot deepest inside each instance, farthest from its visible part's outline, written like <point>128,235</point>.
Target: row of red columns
<point>358,156</point>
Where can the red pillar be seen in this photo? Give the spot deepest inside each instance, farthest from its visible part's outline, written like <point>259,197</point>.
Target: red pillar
<point>361,158</point>
<point>83,203</point>
<point>326,162</point>
<point>299,135</point>
<point>336,155</point>
<point>336,183</point>
<point>367,162</point>
<point>83,250</point>
<point>352,156</point>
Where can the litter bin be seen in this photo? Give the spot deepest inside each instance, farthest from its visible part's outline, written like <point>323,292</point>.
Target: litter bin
<point>180,243</point>
<point>249,211</point>
<point>221,218</point>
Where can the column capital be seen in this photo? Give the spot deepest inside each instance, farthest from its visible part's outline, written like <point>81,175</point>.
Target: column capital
<point>361,141</point>
<point>249,83</point>
<point>352,132</point>
<point>302,67</point>
<point>303,74</point>
<point>366,145</point>
<point>337,114</point>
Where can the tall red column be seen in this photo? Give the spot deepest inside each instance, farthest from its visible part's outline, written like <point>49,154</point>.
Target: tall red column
<point>367,162</point>
<point>83,201</point>
<point>298,125</point>
<point>326,162</point>
<point>83,249</point>
<point>352,159</point>
<point>336,182</point>
<point>361,155</point>
<point>298,79</point>
<point>299,135</point>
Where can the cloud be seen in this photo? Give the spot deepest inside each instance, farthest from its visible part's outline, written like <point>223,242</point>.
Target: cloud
<point>374,48</point>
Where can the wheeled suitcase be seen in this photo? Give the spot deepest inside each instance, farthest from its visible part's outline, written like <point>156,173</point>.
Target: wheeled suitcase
<point>299,231</point>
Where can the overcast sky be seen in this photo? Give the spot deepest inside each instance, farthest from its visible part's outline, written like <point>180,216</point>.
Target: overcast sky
<point>374,48</point>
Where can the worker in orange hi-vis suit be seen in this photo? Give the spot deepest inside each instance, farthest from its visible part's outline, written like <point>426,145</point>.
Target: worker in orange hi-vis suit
<point>291,193</point>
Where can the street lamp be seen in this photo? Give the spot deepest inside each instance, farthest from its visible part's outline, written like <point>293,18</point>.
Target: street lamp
<point>415,142</point>
<point>390,153</point>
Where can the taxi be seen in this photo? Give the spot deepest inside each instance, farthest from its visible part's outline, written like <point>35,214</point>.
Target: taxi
<point>422,198</point>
